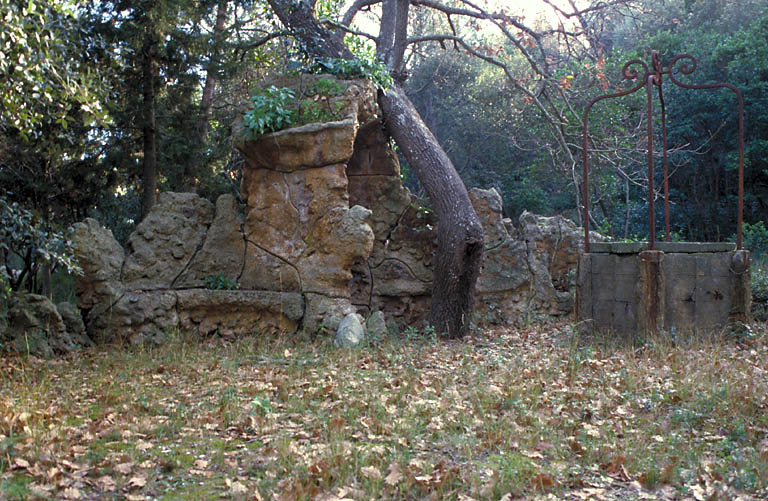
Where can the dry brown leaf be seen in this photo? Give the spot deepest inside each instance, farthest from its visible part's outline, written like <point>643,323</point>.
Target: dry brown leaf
<point>136,482</point>
<point>125,468</point>
<point>542,481</point>
<point>71,493</point>
<point>201,464</point>
<point>237,488</point>
<point>107,483</point>
<point>371,472</point>
<point>395,475</point>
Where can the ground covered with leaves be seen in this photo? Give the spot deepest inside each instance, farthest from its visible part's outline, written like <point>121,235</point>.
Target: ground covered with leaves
<point>534,412</point>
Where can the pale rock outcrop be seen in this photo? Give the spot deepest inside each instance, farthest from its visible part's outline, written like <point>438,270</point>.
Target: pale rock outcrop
<point>223,251</point>
<point>101,258</point>
<point>166,241</point>
<point>327,231</point>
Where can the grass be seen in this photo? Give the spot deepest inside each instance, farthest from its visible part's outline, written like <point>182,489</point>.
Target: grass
<point>528,413</point>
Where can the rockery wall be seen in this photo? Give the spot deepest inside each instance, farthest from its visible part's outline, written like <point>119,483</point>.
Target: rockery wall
<point>325,229</point>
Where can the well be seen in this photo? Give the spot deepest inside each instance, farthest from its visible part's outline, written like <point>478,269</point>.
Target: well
<point>689,286</point>
<point>645,287</point>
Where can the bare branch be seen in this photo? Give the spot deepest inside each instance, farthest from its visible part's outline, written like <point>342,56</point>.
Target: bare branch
<point>356,7</point>
<point>349,30</point>
<point>258,43</point>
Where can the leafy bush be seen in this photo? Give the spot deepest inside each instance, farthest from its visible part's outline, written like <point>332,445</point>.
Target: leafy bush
<point>322,110</point>
<point>759,277</point>
<point>372,69</point>
<point>755,238</point>
<point>24,243</point>
<point>270,111</point>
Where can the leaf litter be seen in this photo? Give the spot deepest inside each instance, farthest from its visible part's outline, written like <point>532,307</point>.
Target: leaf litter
<point>533,413</point>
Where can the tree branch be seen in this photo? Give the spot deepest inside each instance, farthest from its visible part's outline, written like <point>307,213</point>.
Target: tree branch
<point>356,7</point>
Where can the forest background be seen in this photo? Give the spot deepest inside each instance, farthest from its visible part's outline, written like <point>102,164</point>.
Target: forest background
<point>105,101</point>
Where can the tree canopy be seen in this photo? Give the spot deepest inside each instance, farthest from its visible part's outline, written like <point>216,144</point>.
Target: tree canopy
<point>105,103</point>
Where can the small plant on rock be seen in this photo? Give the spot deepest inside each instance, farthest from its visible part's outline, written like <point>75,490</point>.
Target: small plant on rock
<point>270,111</point>
<point>221,283</point>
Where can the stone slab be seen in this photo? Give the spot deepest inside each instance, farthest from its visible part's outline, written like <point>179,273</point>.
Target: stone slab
<point>681,247</point>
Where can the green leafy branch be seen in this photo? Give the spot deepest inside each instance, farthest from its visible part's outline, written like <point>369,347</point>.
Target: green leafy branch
<point>22,238</point>
<point>373,70</point>
<point>270,111</point>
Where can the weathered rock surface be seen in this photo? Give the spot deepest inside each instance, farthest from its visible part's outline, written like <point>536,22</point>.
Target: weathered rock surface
<point>36,328</point>
<point>101,258</point>
<point>237,313</point>
<point>376,325</point>
<point>350,332</point>
<point>223,251</point>
<point>166,240</point>
<point>73,322</point>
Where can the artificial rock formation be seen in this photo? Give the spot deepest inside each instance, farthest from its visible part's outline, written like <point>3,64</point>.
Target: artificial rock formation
<point>327,230</point>
<point>163,279</point>
<point>39,328</point>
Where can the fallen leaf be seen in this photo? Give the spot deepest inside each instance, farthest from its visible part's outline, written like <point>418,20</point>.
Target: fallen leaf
<point>125,468</point>
<point>371,472</point>
<point>107,483</point>
<point>136,482</point>
<point>542,481</point>
<point>395,475</point>
<point>71,493</point>
<point>237,488</point>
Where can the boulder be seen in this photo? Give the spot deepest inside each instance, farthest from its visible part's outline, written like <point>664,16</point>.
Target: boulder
<point>101,258</point>
<point>376,325</point>
<point>350,332</point>
<point>324,314</point>
<point>36,328</point>
<point>165,242</point>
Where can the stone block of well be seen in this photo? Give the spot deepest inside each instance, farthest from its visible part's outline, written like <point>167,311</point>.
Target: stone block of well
<point>626,289</point>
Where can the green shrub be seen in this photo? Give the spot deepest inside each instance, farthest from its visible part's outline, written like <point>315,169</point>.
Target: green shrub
<point>759,276</point>
<point>25,246</point>
<point>373,70</point>
<point>220,282</point>
<point>755,238</point>
<point>270,111</point>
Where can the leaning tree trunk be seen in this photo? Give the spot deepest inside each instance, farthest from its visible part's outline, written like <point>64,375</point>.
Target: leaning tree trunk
<point>459,232</point>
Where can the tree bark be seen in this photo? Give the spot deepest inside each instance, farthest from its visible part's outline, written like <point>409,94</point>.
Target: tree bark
<point>206,101</point>
<point>459,252</point>
<point>149,127</point>
<point>203,126</point>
